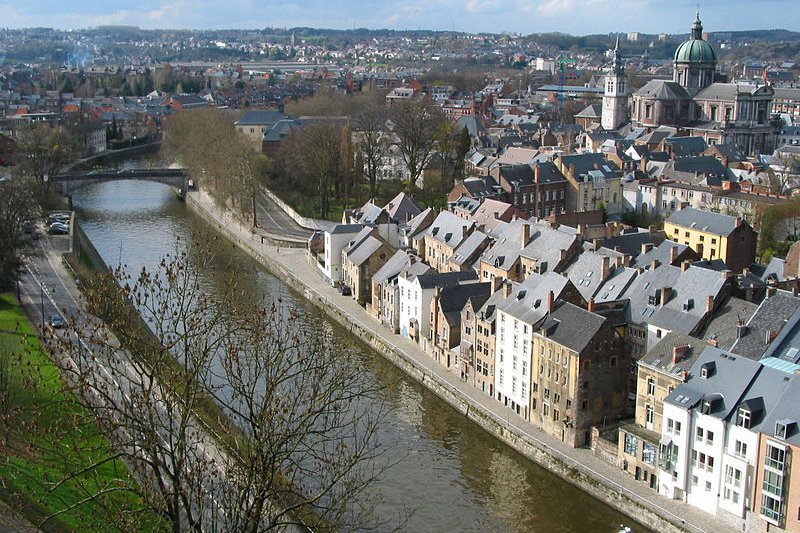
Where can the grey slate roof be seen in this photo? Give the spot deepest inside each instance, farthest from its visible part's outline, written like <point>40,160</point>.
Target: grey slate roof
<point>549,173</point>
<point>616,285</point>
<point>660,355</point>
<point>453,298</point>
<point>585,272</point>
<point>707,221</point>
<point>661,253</point>
<point>467,251</point>
<point>260,118</point>
<point>663,90</point>
<point>630,243</point>
<point>517,175</point>
<point>482,186</point>
<point>786,345</point>
<point>528,300</point>
<point>449,229</point>
<point>785,408</point>
<point>546,244</point>
<point>436,279</point>
<point>771,315</point>
<point>722,326</point>
<point>347,228</point>
<point>392,267</point>
<point>728,381</point>
<point>572,326</point>
<point>586,162</point>
<point>361,253</point>
<point>687,146</point>
<point>402,208</point>
<point>691,287</point>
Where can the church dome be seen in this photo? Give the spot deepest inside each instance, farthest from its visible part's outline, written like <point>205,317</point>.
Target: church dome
<point>696,50</point>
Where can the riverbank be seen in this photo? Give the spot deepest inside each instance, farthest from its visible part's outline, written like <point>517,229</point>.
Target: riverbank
<point>577,466</point>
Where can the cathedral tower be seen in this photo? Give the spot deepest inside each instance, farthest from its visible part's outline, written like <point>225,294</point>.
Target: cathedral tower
<point>695,61</point>
<point>615,97</point>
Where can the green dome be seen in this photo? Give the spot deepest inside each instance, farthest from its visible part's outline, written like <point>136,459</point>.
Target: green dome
<point>695,51</point>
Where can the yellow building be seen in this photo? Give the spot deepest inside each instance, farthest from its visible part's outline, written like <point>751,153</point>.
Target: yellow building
<point>714,236</point>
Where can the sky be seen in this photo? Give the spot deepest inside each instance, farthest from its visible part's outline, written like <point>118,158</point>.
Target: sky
<point>577,17</point>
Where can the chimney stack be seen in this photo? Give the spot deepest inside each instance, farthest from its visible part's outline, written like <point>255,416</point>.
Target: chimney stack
<point>507,289</point>
<point>709,303</point>
<point>646,247</point>
<point>596,244</point>
<point>741,329</point>
<point>526,234</point>
<point>685,265</point>
<point>550,298</point>
<point>746,272</point>
<point>604,270</point>
<point>666,292</point>
<point>590,305</point>
<point>673,254</point>
<point>726,274</point>
<point>654,264</point>
<point>496,283</point>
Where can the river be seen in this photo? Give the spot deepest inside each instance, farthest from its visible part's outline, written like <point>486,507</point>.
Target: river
<point>452,476</point>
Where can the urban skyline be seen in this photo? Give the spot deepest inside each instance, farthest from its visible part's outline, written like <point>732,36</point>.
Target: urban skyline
<point>576,17</point>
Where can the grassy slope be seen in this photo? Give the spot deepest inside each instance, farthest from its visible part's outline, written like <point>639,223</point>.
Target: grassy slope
<point>48,435</point>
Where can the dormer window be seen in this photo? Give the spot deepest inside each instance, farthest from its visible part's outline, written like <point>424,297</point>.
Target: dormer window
<point>707,370</point>
<point>743,416</point>
<point>705,408</point>
<point>783,428</point>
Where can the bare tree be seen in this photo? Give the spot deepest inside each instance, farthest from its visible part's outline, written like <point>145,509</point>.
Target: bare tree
<point>370,127</point>
<point>415,123</point>
<point>295,439</point>
<point>18,208</point>
<point>784,172</point>
<point>43,152</point>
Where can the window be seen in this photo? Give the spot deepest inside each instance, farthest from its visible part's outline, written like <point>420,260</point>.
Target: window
<point>545,409</point>
<point>649,415</point>
<point>733,476</point>
<point>700,433</point>
<point>709,437</point>
<point>740,449</point>
<point>649,454</point>
<point>743,418</point>
<point>651,386</point>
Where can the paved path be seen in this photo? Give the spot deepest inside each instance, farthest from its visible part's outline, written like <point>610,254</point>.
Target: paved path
<point>275,220</point>
<point>295,263</point>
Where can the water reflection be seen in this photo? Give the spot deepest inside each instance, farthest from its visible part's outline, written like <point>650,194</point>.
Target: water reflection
<point>451,474</point>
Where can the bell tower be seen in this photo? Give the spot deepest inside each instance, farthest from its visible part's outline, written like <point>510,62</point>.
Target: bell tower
<point>615,96</point>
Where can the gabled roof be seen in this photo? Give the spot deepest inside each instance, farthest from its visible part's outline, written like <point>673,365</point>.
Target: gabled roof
<point>436,279</point>
<point>686,306</point>
<point>661,253</point>
<point>346,228</point>
<point>771,316</point>
<point>660,356</point>
<point>452,299</point>
<point>572,326</point>
<point>630,242</point>
<point>726,382</point>
<point>615,285</point>
<point>706,221</point>
<point>548,172</point>
<point>585,272</point>
<point>467,251</point>
<point>528,300</point>
<point>730,91</point>
<point>449,229</point>
<point>260,118</point>
<point>402,208</point>
<point>392,267</point>
<point>687,146</point>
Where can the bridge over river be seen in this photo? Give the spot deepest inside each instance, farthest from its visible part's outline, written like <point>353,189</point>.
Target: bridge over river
<point>67,182</point>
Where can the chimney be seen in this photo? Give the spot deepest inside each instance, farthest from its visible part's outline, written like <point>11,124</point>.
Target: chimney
<point>497,282</point>
<point>769,336</point>
<point>746,272</point>
<point>685,264</point>
<point>507,289</point>
<point>654,264</point>
<point>741,329</point>
<point>666,292</point>
<point>526,234</point>
<point>673,254</point>
<point>562,254</point>
<point>590,305</point>
<point>617,248</point>
<point>738,221</point>
<point>726,274</point>
<point>604,271</point>
<point>596,244</point>
<point>684,375</point>
<point>571,171</point>
<point>643,165</point>
<point>580,229</point>
<point>464,230</point>
<point>646,247</point>
<point>550,298</point>
<point>709,303</point>
<point>679,352</point>
<point>536,173</point>
<point>725,161</point>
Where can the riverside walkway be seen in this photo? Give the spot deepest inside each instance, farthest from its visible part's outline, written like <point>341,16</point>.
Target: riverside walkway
<point>599,478</point>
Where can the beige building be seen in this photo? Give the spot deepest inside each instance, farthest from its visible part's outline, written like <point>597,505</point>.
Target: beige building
<point>714,236</point>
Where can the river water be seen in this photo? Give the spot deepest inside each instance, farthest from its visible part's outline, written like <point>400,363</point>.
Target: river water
<point>452,476</point>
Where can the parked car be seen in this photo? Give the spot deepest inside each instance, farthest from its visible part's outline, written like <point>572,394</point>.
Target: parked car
<point>57,228</point>
<point>56,322</point>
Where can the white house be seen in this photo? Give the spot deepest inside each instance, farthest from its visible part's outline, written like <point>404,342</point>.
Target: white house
<point>336,240</point>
